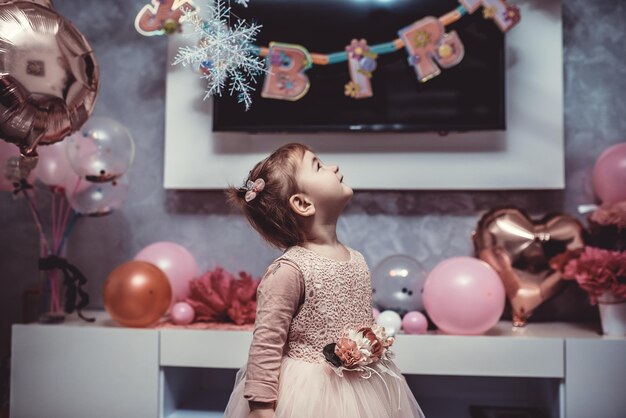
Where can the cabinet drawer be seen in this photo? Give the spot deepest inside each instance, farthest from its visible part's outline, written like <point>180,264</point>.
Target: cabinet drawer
<point>480,356</point>
<point>204,348</point>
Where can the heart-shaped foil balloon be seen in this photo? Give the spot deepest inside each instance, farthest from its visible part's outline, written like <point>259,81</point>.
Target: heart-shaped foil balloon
<point>520,250</point>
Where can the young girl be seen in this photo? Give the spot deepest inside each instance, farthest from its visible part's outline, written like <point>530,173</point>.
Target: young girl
<point>309,297</point>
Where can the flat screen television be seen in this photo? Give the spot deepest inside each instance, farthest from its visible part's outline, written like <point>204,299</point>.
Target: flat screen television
<point>467,97</point>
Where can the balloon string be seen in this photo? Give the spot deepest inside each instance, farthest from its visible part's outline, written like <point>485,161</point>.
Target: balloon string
<point>57,227</point>
<point>75,190</point>
<point>54,218</point>
<point>54,294</point>
<point>66,227</point>
<point>43,278</point>
<point>37,218</point>
<point>68,230</point>
<point>44,246</point>
<point>51,276</point>
<point>75,215</point>
<point>60,226</point>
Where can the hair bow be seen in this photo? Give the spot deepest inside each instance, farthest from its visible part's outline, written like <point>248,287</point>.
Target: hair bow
<point>253,188</point>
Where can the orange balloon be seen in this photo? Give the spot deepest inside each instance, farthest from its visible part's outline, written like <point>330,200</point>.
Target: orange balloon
<point>137,294</point>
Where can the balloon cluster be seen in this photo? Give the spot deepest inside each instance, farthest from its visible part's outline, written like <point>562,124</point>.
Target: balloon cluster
<point>413,322</point>
<point>139,292</point>
<point>86,177</point>
<point>88,167</point>
<point>99,153</point>
<point>526,253</point>
<point>461,295</point>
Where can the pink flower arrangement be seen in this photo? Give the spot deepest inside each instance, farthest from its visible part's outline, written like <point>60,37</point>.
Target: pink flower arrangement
<point>598,271</point>
<point>218,296</point>
<point>357,350</point>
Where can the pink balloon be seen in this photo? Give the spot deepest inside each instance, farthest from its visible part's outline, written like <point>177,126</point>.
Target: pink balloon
<point>375,312</point>
<point>183,313</point>
<point>609,174</point>
<point>53,166</point>
<point>414,322</point>
<point>464,296</point>
<point>176,262</point>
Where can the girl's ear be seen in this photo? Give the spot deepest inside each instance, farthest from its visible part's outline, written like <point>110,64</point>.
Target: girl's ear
<point>302,205</point>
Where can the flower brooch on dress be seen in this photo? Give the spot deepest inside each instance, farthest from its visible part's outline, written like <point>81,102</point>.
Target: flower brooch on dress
<point>357,350</point>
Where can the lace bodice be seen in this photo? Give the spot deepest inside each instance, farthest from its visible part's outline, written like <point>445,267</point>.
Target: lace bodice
<point>338,296</point>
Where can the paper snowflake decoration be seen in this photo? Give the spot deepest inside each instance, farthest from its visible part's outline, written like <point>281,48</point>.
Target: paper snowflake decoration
<point>225,53</point>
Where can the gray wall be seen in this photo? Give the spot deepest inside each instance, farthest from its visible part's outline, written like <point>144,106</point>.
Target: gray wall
<point>430,226</point>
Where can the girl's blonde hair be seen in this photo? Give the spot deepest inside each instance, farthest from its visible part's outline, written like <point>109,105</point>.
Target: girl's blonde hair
<point>269,211</point>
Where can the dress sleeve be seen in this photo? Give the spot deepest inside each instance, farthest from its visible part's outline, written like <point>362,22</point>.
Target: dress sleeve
<point>279,296</point>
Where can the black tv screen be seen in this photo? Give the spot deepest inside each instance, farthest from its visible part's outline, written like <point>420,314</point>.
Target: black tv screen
<point>466,97</point>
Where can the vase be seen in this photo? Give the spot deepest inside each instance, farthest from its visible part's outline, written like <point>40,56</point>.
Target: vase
<point>612,314</point>
<point>51,298</point>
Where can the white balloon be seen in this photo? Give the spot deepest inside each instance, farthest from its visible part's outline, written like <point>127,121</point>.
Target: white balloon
<point>391,321</point>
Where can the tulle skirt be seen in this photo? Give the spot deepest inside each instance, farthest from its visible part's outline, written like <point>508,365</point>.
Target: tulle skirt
<point>308,390</point>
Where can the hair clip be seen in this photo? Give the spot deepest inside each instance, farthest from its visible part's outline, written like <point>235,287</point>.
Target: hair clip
<point>253,188</point>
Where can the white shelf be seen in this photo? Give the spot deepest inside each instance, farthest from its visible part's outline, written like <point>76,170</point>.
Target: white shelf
<point>112,370</point>
<point>537,350</point>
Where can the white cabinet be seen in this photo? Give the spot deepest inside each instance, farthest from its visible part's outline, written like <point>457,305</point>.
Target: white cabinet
<point>596,378</point>
<point>61,371</point>
<point>79,370</point>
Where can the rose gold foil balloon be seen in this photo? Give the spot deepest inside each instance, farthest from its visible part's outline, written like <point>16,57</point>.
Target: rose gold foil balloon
<point>137,294</point>
<point>520,250</point>
<point>48,76</point>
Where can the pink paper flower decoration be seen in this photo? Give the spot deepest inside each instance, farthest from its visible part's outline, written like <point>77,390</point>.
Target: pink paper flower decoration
<point>218,296</point>
<point>597,271</point>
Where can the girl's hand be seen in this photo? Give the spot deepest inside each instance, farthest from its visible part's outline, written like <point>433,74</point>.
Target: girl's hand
<point>261,413</point>
<point>261,410</point>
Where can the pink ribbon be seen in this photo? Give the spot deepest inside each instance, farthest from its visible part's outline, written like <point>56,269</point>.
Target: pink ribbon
<point>254,188</point>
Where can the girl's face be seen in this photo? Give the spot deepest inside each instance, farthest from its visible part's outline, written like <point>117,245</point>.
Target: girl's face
<point>323,184</point>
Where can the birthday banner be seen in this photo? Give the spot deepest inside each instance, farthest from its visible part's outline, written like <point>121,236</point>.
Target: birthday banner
<point>162,17</point>
<point>428,46</point>
<point>226,52</point>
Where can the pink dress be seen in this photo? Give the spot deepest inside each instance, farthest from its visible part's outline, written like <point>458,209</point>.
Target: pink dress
<point>305,301</point>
